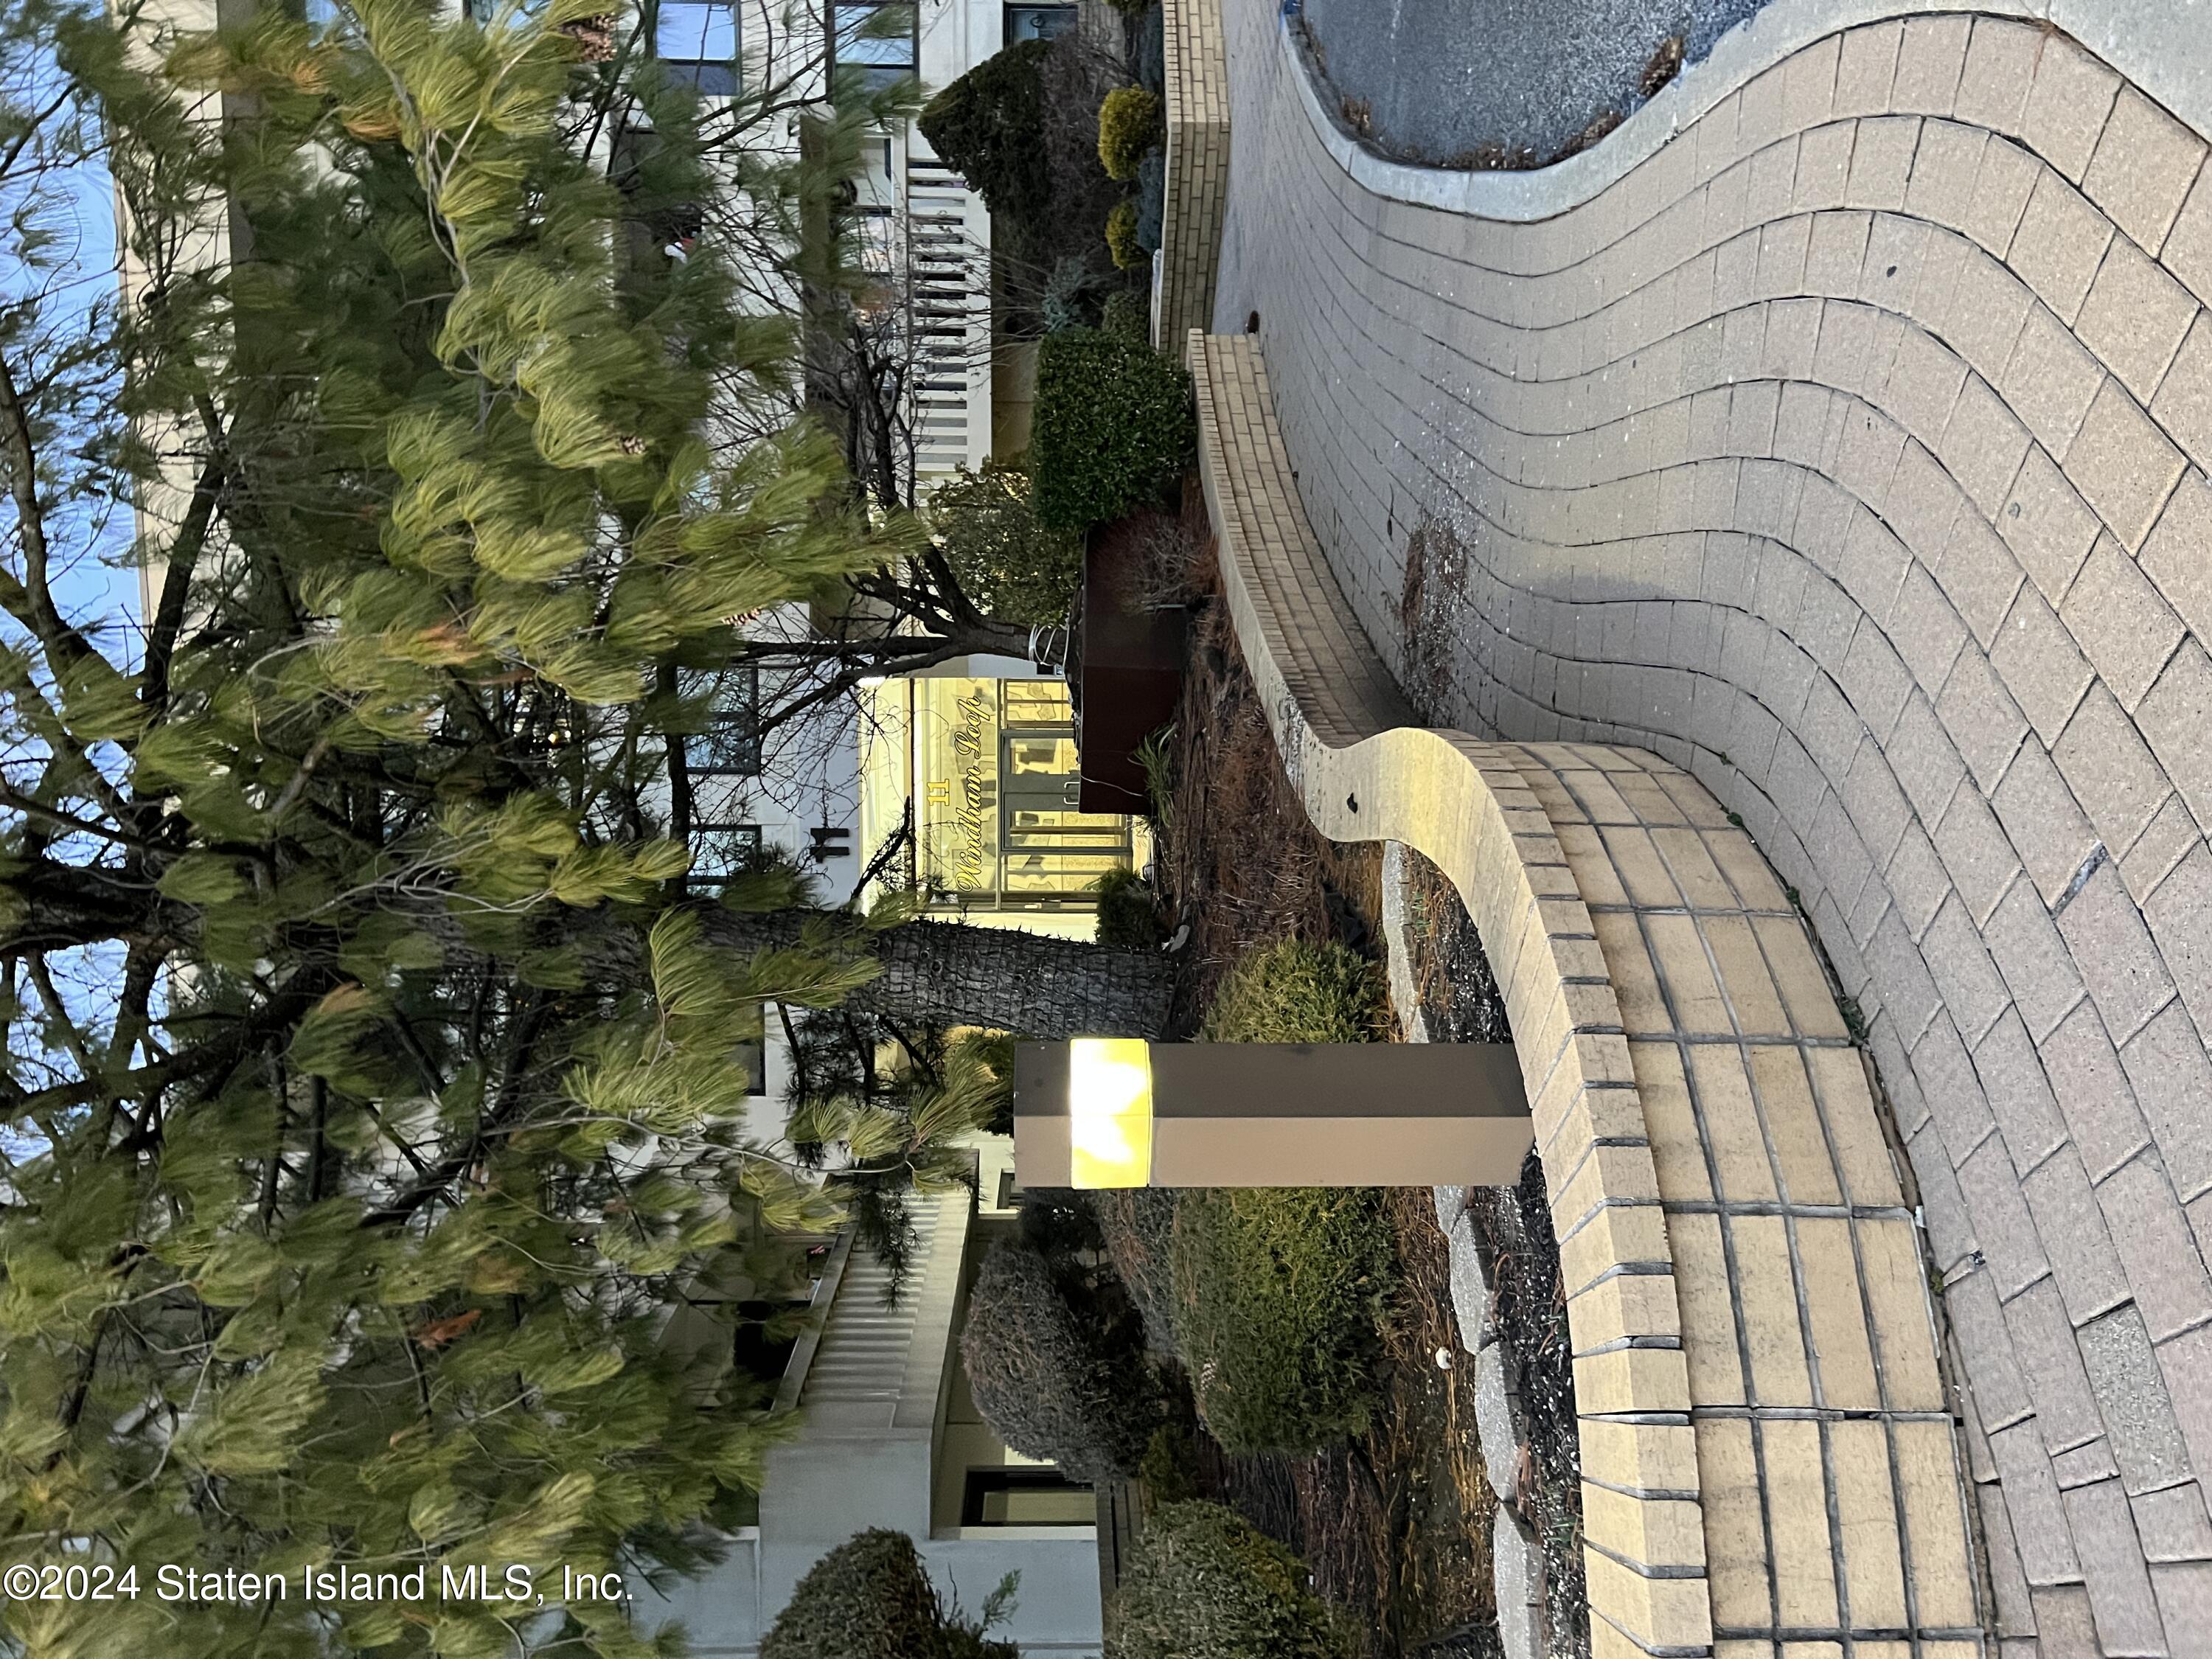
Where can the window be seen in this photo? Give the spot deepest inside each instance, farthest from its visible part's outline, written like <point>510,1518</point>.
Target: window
<point>730,744</point>
<point>1038,22</point>
<point>720,851</point>
<point>697,40</point>
<point>874,37</point>
<point>752,1056</point>
<point>1026,1497</point>
<point>717,763</point>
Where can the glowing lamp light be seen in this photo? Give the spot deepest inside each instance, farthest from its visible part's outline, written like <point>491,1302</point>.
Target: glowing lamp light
<point>1110,1112</point>
<point>1116,1112</point>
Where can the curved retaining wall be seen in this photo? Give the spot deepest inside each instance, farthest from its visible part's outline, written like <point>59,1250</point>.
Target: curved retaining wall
<point>1766,1451</point>
<point>1843,440</point>
<point>1197,169</point>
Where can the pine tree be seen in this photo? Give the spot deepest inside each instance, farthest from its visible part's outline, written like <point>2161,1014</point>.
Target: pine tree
<point>371,1096</point>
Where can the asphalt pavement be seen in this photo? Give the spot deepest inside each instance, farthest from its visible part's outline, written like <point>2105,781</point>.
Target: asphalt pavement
<point>1463,82</point>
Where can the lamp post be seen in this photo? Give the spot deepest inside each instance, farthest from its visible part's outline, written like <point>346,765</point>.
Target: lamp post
<point>1123,1112</point>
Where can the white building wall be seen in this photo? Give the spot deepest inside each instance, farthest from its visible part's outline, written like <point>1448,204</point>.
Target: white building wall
<point>872,1389</point>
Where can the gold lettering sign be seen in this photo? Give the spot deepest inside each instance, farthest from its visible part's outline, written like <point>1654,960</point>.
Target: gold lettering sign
<point>975,757</point>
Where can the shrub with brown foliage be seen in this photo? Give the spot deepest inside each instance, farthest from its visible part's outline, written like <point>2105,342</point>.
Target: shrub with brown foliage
<point>1055,1362</point>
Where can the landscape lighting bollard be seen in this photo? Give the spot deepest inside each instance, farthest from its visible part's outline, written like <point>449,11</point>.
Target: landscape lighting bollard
<point>1101,1112</point>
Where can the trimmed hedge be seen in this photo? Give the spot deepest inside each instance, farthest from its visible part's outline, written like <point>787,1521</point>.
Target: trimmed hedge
<point>989,126</point>
<point>1057,1369</point>
<point>1279,1297</point>
<point>1202,1584</point>
<point>1122,244</point>
<point>1139,1225</point>
<point>1113,427</point>
<point>871,1598</point>
<point>1128,125</point>
<point>1281,1293</point>
<point>1128,312</point>
<point>1294,992</point>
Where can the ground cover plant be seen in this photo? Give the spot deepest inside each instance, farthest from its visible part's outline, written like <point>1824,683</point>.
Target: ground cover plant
<point>1460,999</point>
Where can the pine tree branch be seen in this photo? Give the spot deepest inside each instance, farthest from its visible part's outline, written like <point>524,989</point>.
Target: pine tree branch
<point>31,807</point>
<point>31,600</point>
<point>57,1012</point>
<point>185,548</point>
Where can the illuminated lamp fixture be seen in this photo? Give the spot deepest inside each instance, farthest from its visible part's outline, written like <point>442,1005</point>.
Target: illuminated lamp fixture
<point>1103,1112</point>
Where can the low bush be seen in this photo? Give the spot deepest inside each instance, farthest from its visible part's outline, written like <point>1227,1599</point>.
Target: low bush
<point>1128,912</point>
<point>1128,312</point>
<point>1113,427</point>
<point>1073,294</point>
<point>1202,1584</point>
<point>1009,563</point>
<point>1128,253</point>
<point>1139,1226</point>
<point>989,126</point>
<point>1057,1368</point>
<point>871,1598</point>
<point>1279,1296</point>
<point>1294,992</point>
<point>1128,125</point>
<point>1281,1293</point>
<point>1170,1470</point>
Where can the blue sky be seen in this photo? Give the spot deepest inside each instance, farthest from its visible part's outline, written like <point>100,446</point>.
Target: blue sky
<point>94,581</point>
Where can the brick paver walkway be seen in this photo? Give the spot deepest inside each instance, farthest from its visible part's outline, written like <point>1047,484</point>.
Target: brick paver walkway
<point>1768,1452</point>
<point>1850,452</point>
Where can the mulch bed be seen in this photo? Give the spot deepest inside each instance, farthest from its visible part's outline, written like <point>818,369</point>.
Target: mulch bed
<point>1242,865</point>
<point>1394,1527</point>
<point>1460,997</point>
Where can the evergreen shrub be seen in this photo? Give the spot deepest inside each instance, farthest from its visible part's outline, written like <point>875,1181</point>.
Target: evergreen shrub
<point>1128,125</point>
<point>989,126</point>
<point>1295,992</point>
<point>1128,312</point>
<point>1128,912</point>
<point>1170,1470</point>
<point>1139,1225</point>
<point>1279,1297</point>
<point>1113,427</point>
<point>1011,565</point>
<point>1202,1584</point>
<point>1122,242</point>
<point>871,1598</point>
<point>1057,1366</point>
